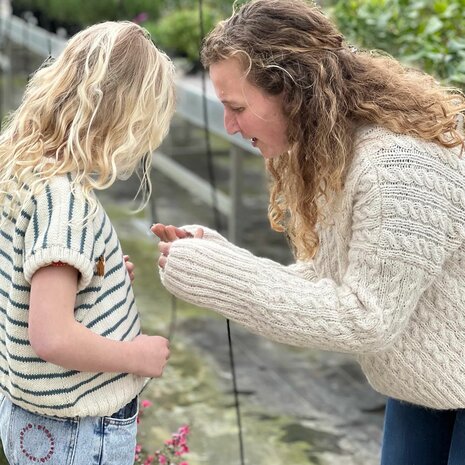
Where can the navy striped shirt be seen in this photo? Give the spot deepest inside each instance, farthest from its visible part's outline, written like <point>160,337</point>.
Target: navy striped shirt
<point>52,226</point>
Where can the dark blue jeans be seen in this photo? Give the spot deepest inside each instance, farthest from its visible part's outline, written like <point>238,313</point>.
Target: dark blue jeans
<point>415,435</point>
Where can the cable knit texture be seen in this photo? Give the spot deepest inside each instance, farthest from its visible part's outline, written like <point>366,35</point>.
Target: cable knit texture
<point>387,283</point>
<point>52,226</point>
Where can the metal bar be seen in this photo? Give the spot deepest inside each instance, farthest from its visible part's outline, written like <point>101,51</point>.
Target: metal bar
<point>37,39</point>
<point>190,181</point>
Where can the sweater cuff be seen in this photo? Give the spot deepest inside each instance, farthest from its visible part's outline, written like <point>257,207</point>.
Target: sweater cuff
<point>215,275</point>
<point>44,257</point>
<point>208,234</point>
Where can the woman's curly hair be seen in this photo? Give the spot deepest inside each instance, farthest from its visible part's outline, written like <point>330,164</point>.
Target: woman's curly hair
<point>289,48</point>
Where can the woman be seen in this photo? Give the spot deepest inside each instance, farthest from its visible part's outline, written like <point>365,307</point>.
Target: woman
<point>369,184</point>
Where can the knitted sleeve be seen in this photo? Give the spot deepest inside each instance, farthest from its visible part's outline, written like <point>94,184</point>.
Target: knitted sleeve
<point>59,231</point>
<point>407,218</point>
<point>301,268</point>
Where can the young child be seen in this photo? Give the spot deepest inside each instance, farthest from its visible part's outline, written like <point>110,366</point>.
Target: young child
<point>72,358</point>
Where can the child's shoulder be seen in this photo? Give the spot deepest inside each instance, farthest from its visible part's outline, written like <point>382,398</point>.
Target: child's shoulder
<point>65,188</point>
<point>59,195</point>
<point>64,183</point>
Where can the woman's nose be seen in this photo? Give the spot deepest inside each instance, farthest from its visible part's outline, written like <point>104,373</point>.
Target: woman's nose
<point>230,123</point>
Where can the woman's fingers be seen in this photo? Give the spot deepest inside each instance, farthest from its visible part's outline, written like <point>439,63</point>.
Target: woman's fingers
<point>198,233</point>
<point>164,248</point>
<point>162,261</point>
<point>169,233</point>
<point>159,230</point>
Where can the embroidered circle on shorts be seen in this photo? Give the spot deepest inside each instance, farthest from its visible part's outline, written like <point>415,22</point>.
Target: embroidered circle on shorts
<point>41,438</point>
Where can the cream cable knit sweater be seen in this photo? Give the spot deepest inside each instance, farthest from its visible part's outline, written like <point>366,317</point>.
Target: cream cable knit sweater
<point>387,284</point>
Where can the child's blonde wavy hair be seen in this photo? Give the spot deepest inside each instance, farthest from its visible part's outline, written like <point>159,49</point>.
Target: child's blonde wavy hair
<point>97,112</point>
<point>289,48</point>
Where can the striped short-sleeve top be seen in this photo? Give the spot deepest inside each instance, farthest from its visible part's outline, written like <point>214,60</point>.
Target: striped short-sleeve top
<point>54,225</point>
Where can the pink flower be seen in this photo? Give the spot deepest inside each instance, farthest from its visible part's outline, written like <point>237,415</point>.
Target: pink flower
<point>184,448</point>
<point>172,450</point>
<point>141,18</point>
<point>146,403</point>
<point>184,430</point>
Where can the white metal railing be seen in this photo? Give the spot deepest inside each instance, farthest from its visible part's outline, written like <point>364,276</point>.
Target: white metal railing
<point>31,37</point>
<point>190,107</point>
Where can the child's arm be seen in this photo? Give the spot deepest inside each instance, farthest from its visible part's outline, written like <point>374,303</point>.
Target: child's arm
<point>58,338</point>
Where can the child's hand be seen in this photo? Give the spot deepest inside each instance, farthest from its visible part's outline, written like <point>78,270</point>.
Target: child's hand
<point>167,235</point>
<point>130,267</point>
<point>152,354</point>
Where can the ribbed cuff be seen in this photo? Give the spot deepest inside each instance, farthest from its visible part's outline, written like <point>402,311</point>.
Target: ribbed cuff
<point>208,234</point>
<point>44,257</point>
<point>209,274</point>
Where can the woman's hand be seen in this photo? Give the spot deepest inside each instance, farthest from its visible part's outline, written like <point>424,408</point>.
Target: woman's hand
<point>130,267</point>
<point>169,234</point>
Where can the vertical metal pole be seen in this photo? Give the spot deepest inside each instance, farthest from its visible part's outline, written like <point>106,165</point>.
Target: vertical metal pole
<point>235,194</point>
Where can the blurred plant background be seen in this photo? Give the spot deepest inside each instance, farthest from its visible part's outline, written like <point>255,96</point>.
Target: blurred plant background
<point>428,34</point>
<point>173,24</point>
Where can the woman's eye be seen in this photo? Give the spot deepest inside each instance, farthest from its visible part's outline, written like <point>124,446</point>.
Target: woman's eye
<point>237,109</point>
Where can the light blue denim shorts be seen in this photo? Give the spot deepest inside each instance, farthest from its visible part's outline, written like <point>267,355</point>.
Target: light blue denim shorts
<point>28,438</point>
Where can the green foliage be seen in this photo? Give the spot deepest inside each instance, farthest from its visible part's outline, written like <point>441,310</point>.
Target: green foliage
<point>429,34</point>
<point>178,32</point>
<point>86,12</point>
<point>24,4</point>
<point>224,7</point>
<point>2,456</point>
